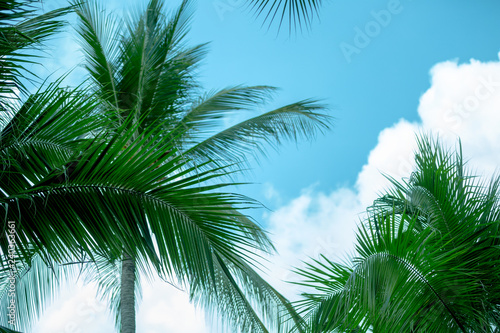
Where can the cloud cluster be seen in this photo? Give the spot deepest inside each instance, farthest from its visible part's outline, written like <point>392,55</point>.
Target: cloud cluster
<point>163,308</point>
<point>311,225</point>
<point>462,102</point>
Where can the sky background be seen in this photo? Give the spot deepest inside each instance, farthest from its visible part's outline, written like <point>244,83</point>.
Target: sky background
<point>386,69</point>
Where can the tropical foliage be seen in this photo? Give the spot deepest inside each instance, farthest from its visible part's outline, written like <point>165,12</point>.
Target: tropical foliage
<point>133,166</point>
<point>427,257</point>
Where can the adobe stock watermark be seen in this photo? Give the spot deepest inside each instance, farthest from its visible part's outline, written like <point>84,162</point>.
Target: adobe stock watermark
<point>87,312</point>
<point>472,102</point>
<point>11,291</point>
<point>373,28</point>
<point>222,7</point>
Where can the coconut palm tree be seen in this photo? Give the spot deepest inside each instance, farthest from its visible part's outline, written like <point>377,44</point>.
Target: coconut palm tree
<point>427,257</point>
<point>127,174</point>
<point>148,72</point>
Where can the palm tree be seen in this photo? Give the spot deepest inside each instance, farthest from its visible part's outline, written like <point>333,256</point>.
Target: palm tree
<point>427,257</point>
<point>148,72</point>
<point>136,174</point>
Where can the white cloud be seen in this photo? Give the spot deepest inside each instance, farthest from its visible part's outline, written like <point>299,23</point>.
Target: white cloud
<point>163,308</point>
<point>76,311</point>
<point>166,309</point>
<point>463,101</point>
<point>308,226</point>
<point>393,156</point>
<point>270,192</point>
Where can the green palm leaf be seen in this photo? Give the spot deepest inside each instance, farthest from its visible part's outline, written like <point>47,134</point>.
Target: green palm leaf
<point>94,206</point>
<point>36,283</point>
<point>250,137</point>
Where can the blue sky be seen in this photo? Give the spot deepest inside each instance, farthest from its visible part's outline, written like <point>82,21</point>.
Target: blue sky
<point>374,90</point>
<point>411,71</point>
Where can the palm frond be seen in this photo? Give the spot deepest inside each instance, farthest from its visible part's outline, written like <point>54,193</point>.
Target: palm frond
<point>99,35</point>
<point>251,137</point>
<point>155,65</point>
<point>192,211</point>
<point>43,133</point>
<point>206,114</point>
<point>243,299</point>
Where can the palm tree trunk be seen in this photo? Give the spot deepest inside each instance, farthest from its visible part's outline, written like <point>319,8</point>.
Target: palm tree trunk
<point>127,300</point>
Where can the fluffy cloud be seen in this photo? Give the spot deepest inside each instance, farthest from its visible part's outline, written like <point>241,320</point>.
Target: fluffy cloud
<point>462,102</point>
<point>166,309</point>
<point>392,156</point>
<point>77,310</point>
<point>308,226</point>
<point>162,309</point>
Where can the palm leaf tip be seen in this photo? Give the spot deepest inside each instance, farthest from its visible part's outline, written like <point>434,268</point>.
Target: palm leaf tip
<point>294,13</point>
